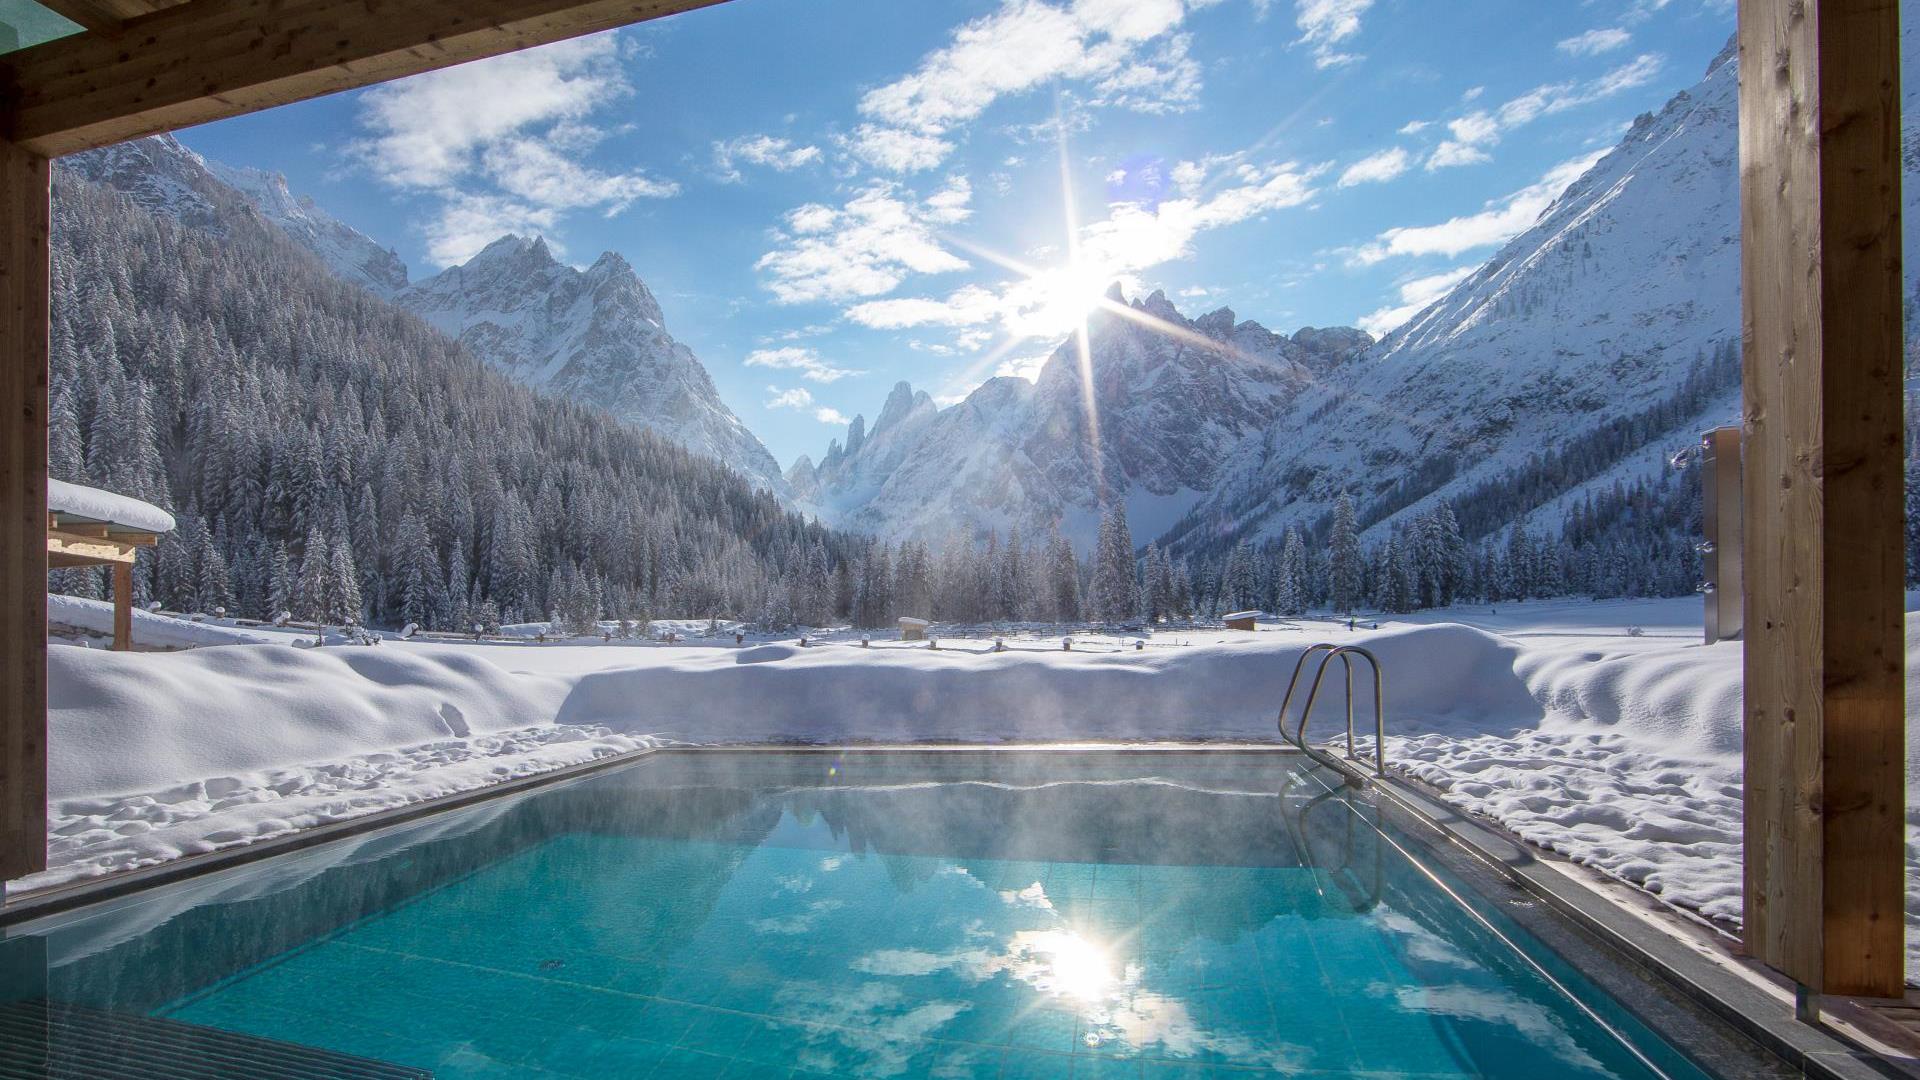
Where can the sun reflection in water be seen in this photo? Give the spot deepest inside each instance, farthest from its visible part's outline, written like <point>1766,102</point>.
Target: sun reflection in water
<point>1069,965</point>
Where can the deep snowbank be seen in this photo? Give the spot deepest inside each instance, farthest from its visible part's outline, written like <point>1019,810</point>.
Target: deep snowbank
<point>127,722</point>
<point>780,692</point>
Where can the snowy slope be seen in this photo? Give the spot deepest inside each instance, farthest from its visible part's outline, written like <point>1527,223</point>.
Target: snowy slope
<point>596,337</point>
<point>351,254</point>
<point>1598,311</point>
<point>1172,396</point>
<point>163,177</point>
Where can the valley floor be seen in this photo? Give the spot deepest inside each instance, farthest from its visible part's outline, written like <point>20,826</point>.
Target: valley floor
<point>1601,730</point>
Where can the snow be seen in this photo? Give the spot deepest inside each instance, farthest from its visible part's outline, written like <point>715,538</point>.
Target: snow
<point>95,504</point>
<point>1603,731</point>
<point>154,631</point>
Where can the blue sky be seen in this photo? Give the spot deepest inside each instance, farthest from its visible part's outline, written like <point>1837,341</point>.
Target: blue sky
<point>829,196</point>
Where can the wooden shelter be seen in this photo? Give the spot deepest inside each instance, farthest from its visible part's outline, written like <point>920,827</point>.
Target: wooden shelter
<point>912,629</point>
<point>90,527</point>
<point>1240,620</point>
<point>1820,175</point>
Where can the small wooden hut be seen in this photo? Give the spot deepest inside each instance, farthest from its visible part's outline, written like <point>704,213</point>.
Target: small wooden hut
<point>1241,620</point>
<point>912,629</point>
<point>90,527</point>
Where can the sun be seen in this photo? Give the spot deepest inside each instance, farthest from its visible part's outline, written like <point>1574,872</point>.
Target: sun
<point>1061,298</point>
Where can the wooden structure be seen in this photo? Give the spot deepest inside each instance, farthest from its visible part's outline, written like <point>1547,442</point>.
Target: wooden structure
<point>1721,556</point>
<point>89,527</point>
<point>912,629</point>
<point>1821,286</point>
<point>1821,181</point>
<point>139,68</point>
<point>1240,620</point>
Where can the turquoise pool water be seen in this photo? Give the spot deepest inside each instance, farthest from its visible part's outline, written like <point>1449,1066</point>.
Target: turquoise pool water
<point>957,915</point>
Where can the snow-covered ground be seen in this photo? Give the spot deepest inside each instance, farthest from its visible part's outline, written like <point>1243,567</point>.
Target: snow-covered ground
<point>1604,731</point>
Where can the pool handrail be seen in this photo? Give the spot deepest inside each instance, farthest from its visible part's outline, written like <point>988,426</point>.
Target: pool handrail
<point>1299,736</point>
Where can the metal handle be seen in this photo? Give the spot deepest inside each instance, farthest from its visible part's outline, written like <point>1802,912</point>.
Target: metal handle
<point>1299,736</point>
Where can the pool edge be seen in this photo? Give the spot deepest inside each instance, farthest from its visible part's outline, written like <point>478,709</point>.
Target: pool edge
<point>1710,982</point>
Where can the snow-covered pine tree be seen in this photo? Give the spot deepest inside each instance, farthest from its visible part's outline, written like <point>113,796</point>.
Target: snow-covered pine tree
<point>1344,562</point>
<point>1115,594</point>
<point>1063,579</point>
<point>311,586</point>
<point>1290,592</point>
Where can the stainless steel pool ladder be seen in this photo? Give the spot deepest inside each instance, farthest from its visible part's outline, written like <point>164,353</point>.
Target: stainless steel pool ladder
<point>1354,777</point>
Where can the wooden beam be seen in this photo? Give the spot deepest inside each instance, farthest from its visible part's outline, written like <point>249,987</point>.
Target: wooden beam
<point>211,59</point>
<point>87,549</point>
<point>25,212</point>
<point>1821,289</point>
<point>123,606</point>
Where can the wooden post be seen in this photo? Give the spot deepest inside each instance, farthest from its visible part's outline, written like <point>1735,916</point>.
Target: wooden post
<point>24,222</point>
<point>1825,734</point>
<point>123,607</point>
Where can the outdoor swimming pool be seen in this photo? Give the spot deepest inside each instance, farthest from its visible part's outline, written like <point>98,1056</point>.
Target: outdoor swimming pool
<point>952,914</point>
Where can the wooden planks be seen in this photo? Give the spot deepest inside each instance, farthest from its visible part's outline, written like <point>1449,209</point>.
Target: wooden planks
<point>209,59</point>
<point>1819,164</point>
<point>24,221</point>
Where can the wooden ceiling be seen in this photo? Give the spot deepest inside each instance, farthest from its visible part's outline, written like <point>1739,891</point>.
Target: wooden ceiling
<point>147,66</point>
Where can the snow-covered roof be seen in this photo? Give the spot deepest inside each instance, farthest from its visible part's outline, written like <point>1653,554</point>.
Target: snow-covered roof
<point>107,508</point>
<point>908,620</point>
<point>1241,615</point>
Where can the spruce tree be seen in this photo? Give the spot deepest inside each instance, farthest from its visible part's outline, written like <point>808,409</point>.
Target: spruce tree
<point>1344,564</point>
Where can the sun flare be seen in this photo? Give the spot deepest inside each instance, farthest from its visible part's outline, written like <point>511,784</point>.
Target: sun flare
<point>1064,296</point>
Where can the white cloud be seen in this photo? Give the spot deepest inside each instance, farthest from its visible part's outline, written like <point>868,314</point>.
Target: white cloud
<point>1120,48</point>
<point>969,306</point>
<point>1451,154</point>
<point>1497,223</point>
<point>801,359</point>
<point>1136,236</point>
<point>500,143</point>
<point>1415,127</point>
<point>865,247</point>
<point>1414,296</point>
<point>1595,42</point>
<point>1376,168</point>
<point>765,151</point>
<point>538,173</point>
<point>800,399</point>
<point>1480,129</point>
<point>468,222</point>
<point>1324,24</point>
<point>896,150</point>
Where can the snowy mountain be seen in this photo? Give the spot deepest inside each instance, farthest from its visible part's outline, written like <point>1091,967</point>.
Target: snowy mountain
<point>594,336</point>
<point>349,253</point>
<point>1172,396</point>
<point>165,178</point>
<point>1617,312</point>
